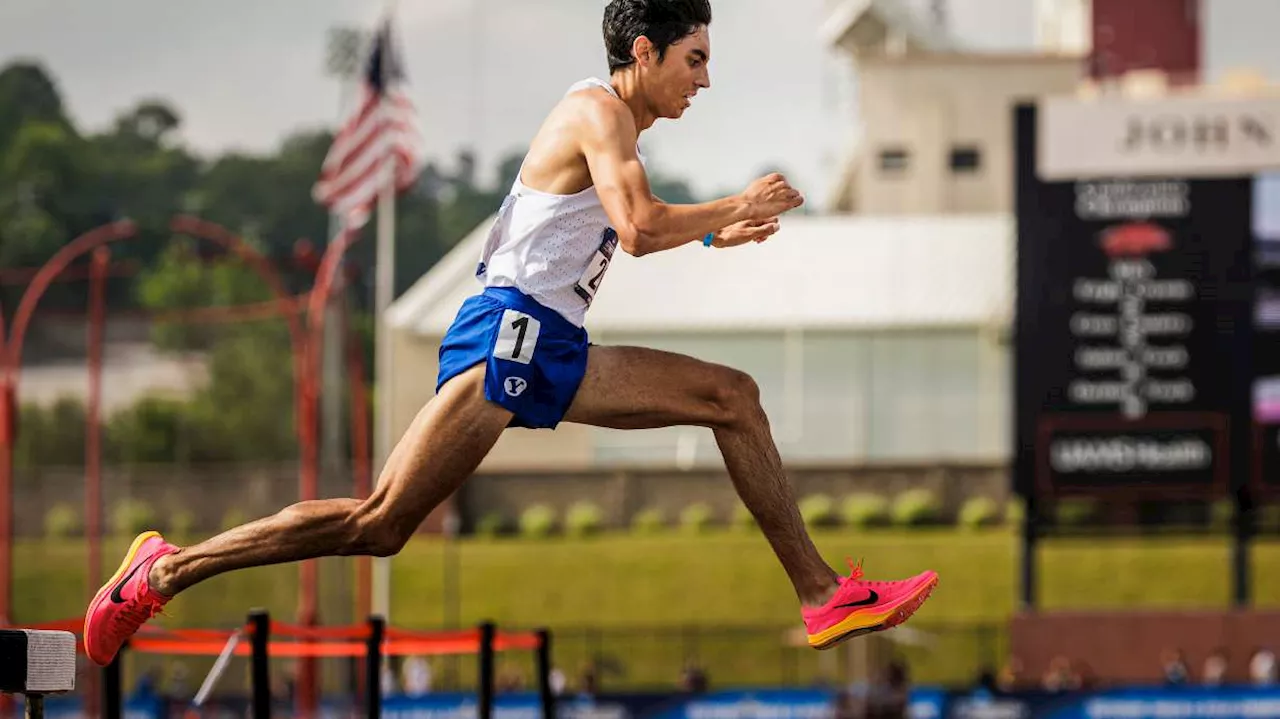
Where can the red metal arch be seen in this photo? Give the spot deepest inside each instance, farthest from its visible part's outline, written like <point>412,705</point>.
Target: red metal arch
<point>11,363</point>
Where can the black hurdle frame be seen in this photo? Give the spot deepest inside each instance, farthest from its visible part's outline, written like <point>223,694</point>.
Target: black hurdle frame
<point>545,692</point>
<point>484,708</point>
<point>260,636</point>
<point>486,654</point>
<point>260,671</point>
<point>112,690</point>
<point>260,664</point>
<point>373,668</point>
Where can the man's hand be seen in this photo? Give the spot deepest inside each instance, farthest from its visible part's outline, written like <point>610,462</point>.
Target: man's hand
<point>741,233</point>
<point>771,196</point>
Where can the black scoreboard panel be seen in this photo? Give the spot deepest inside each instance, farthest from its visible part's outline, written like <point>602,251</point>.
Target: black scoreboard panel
<point>1134,353</point>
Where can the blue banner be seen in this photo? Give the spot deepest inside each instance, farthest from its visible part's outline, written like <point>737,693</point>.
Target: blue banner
<point>924,703</point>
<point>1161,703</point>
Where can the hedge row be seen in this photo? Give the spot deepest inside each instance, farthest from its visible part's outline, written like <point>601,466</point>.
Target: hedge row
<point>914,508</point>
<point>131,517</point>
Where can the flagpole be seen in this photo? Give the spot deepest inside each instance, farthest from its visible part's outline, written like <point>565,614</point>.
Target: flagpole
<point>384,294</point>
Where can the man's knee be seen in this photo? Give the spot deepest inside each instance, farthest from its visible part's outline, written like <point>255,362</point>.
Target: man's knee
<point>736,397</point>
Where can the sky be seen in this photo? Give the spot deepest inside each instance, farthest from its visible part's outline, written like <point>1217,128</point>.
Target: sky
<point>245,73</point>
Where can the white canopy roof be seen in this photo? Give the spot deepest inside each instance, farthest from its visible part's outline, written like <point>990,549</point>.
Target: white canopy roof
<point>833,272</point>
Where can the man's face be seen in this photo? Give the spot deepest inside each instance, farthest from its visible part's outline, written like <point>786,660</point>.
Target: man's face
<point>671,83</point>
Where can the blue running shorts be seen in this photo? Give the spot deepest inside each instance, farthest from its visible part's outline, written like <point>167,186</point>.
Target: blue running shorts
<point>535,359</point>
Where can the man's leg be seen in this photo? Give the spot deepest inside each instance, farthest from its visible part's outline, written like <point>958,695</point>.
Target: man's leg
<point>637,388</point>
<point>444,445</point>
<point>446,442</point>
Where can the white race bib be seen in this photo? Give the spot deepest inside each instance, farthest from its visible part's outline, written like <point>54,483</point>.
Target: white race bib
<point>517,337</point>
<point>589,282</point>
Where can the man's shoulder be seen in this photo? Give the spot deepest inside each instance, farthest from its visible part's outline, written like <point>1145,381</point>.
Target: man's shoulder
<point>595,110</point>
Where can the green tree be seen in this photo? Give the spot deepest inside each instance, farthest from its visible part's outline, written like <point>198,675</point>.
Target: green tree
<point>153,430</point>
<point>672,190</point>
<point>140,172</point>
<point>50,435</point>
<point>267,197</point>
<point>244,412</point>
<point>27,95</point>
<point>181,281</point>
<point>38,172</point>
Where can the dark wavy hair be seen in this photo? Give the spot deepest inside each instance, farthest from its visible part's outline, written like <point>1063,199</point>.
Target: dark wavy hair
<point>664,22</point>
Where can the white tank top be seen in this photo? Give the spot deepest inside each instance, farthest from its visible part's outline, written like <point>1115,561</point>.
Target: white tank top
<point>553,248</point>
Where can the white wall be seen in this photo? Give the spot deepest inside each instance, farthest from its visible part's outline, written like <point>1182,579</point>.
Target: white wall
<point>841,397</point>
<point>832,398</point>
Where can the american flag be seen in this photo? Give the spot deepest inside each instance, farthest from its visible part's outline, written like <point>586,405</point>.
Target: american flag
<point>384,126</point>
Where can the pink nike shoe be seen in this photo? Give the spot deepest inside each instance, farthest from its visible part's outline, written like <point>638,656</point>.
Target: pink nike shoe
<point>126,601</point>
<point>862,607</point>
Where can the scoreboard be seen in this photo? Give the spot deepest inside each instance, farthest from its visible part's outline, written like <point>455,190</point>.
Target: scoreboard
<point>1136,348</point>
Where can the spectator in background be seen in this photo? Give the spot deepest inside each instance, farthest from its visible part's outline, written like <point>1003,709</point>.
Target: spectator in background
<point>1084,676</point>
<point>558,681</point>
<point>1010,678</point>
<point>986,684</point>
<point>1060,677</point>
<point>886,697</point>
<point>1214,673</point>
<point>179,676</point>
<point>693,680</point>
<point>145,689</point>
<point>589,683</point>
<point>389,687</point>
<point>1262,667</point>
<point>510,679</point>
<point>416,675</point>
<point>847,706</point>
<point>1174,668</point>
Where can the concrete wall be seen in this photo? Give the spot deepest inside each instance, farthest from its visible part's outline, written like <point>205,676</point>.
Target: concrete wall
<point>1129,646</point>
<point>210,493</point>
<point>927,106</point>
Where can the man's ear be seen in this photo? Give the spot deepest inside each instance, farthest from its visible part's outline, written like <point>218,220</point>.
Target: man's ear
<point>643,51</point>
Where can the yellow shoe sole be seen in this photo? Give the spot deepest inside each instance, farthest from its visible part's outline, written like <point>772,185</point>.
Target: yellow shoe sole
<point>857,624</point>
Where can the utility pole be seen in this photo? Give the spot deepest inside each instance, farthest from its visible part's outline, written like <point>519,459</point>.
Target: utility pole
<point>345,51</point>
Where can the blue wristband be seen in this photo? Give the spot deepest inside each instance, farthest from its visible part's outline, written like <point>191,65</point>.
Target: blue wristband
<point>706,241</point>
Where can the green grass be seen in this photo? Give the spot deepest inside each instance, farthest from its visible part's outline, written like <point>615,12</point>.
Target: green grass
<point>691,585</point>
<point>624,581</point>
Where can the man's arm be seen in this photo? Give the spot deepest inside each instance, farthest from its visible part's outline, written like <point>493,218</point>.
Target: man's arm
<point>644,224</point>
<point>739,233</point>
<point>736,234</point>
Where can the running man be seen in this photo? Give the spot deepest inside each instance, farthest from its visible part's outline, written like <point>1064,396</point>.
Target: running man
<point>517,354</point>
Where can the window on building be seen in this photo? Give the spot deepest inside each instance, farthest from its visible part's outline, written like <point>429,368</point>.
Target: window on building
<point>965,158</point>
<point>894,159</point>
